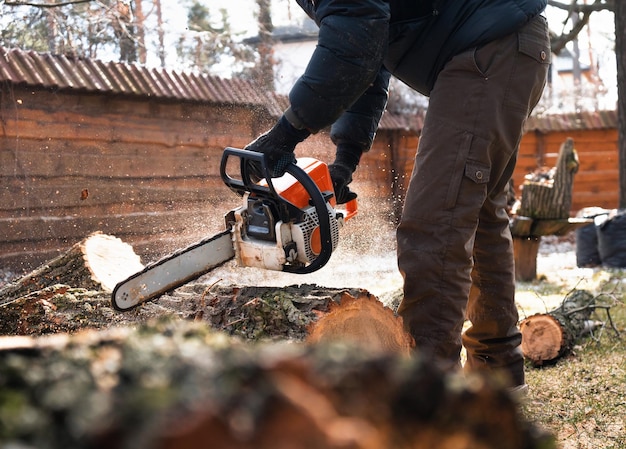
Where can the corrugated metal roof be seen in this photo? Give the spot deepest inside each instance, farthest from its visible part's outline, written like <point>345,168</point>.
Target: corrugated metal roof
<point>79,74</point>
<point>86,75</point>
<point>61,72</point>
<point>573,121</point>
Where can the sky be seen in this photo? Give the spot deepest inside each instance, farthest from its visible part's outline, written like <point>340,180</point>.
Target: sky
<point>242,17</point>
<point>596,46</point>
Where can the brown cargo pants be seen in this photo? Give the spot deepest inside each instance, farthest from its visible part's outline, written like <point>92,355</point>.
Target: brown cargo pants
<point>454,234</point>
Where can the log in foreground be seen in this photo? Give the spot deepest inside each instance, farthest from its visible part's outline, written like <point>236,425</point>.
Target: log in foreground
<point>178,384</point>
<point>548,336</point>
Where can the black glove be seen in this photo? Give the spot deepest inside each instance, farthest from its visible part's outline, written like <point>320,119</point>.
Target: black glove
<point>346,161</point>
<point>278,145</point>
<point>341,176</point>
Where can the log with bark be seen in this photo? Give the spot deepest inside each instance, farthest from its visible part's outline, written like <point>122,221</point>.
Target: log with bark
<point>249,312</point>
<point>548,336</point>
<point>547,194</point>
<point>72,292</point>
<point>179,384</point>
<point>97,262</point>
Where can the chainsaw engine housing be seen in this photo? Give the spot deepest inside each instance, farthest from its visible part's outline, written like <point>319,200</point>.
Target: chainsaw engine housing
<point>263,240</point>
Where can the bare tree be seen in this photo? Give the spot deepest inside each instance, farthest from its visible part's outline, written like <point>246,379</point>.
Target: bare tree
<point>141,32</point>
<point>620,52</point>
<point>579,14</point>
<point>265,67</point>
<point>76,28</point>
<point>582,11</point>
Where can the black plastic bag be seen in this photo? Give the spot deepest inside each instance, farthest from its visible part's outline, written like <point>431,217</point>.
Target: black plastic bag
<point>587,254</point>
<point>612,239</point>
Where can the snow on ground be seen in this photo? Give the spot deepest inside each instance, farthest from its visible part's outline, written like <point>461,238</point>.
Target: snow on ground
<point>369,262</point>
<point>556,273</point>
<point>376,271</point>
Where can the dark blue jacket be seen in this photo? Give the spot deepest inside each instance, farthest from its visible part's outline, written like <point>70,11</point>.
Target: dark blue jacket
<point>362,41</point>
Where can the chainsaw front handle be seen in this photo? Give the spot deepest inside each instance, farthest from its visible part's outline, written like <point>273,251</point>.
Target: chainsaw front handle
<point>245,184</point>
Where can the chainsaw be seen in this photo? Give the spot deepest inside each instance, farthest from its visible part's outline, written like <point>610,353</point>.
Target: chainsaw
<point>289,223</point>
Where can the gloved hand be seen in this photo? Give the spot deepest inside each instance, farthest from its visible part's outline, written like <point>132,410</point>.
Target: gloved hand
<point>346,161</point>
<point>341,177</point>
<point>278,145</point>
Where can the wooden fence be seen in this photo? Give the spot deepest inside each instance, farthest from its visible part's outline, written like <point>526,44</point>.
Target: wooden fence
<point>147,170</point>
<point>142,169</point>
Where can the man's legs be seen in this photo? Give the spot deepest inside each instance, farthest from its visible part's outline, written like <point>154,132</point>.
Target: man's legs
<point>493,339</point>
<point>454,208</point>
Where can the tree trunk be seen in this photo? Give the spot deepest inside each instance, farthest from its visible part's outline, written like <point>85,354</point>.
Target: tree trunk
<point>549,336</point>
<point>160,31</point>
<point>620,52</point>
<point>98,262</point>
<point>548,195</point>
<point>141,31</point>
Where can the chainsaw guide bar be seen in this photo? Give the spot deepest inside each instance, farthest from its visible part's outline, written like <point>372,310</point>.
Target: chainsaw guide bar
<point>173,271</point>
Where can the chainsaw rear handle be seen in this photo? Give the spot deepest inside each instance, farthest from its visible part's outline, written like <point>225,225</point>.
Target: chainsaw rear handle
<point>246,184</point>
<point>351,208</point>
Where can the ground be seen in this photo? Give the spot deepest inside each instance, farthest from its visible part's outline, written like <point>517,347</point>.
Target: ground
<point>582,398</point>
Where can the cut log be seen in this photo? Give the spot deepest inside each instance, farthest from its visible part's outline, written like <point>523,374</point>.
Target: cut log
<point>548,336</point>
<point>98,262</point>
<point>362,321</point>
<point>178,384</point>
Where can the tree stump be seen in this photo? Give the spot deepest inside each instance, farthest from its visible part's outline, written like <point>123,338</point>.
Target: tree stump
<point>98,262</point>
<point>548,336</point>
<point>547,194</point>
<point>544,209</point>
